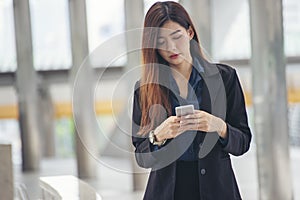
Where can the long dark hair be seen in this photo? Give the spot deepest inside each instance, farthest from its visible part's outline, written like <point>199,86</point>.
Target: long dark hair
<point>151,91</point>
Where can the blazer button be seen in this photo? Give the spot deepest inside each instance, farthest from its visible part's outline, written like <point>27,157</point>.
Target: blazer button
<point>202,171</point>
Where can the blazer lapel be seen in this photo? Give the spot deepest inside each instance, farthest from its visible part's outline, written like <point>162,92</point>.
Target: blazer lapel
<point>213,101</point>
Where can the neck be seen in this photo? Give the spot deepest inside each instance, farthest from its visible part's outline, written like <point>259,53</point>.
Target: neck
<point>184,69</point>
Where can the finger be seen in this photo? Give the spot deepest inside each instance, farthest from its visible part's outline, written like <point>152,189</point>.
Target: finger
<point>190,121</point>
<point>199,127</point>
<point>174,119</point>
<point>188,127</point>
<point>190,116</point>
<point>171,122</point>
<point>175,126</point>
<point>203,127</point>
<point>199,114</point>
<point>202,113</point>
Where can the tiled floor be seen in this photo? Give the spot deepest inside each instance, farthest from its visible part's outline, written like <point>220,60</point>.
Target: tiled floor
<point>113,184</point>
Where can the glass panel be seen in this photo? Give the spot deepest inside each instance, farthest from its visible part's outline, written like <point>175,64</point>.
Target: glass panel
<point>291,24</point>
<point>231,30</point>
<point>50,34</point>
<point>106,21</point>
<point>8,60</point>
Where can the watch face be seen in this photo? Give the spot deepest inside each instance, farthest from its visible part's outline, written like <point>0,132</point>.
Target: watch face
<point>151,137</point>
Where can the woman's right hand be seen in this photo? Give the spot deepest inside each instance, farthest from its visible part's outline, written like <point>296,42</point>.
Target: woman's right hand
<point>168,129</point>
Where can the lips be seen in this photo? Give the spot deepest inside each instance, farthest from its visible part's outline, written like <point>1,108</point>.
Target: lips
<point>174,56</point>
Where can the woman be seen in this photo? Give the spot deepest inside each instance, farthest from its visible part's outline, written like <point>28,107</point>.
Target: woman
<point>189,155</point>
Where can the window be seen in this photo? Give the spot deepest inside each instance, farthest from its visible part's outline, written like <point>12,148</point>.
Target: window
<point>291,24</point>
<point>106,25</point>
<point>50,34</point>
<point>231,30</point>
<point>8,60</point>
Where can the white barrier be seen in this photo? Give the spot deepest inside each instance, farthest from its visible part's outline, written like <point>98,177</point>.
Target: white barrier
<point>66,188</point>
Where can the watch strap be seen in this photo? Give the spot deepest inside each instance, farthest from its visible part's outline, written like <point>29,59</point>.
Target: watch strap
<point>153,140</point>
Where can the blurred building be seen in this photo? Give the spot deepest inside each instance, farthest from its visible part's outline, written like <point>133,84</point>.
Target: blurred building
<point>53,28</point>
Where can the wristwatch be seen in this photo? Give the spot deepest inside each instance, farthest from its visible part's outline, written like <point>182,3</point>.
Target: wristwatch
<point>153,140</point>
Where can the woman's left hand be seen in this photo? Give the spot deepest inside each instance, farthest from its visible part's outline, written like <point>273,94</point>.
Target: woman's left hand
<point>203,121</point>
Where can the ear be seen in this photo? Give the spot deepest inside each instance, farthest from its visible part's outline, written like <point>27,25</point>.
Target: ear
<point>190,32</point>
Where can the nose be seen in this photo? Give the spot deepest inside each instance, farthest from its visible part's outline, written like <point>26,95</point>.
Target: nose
<point>171,46</point>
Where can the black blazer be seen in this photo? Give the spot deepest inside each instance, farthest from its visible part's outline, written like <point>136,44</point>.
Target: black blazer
<point>223,97</point>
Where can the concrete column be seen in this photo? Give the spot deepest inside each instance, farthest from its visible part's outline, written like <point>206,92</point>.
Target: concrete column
<point>200,12</point>
<point>26,86</point>
<point>82,92</point>
<point>270,100</point>
<point>6,173</point>
<point>134,15</point>
<point>46,120</point>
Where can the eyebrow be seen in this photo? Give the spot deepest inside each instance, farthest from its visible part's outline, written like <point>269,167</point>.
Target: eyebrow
<point>173,33</point>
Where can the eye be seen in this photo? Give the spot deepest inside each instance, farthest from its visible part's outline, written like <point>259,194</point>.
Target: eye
<point>177,37</point>
<point>160,41</point>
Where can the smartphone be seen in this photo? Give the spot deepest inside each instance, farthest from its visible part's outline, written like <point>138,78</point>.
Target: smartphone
<point>184,110</point>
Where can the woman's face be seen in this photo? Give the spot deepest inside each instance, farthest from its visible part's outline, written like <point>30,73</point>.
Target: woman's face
<point>173,43</point>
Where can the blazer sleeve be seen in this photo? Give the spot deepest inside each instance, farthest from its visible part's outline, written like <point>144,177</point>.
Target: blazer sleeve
<point>143,150</point>
<point>239,134</point>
